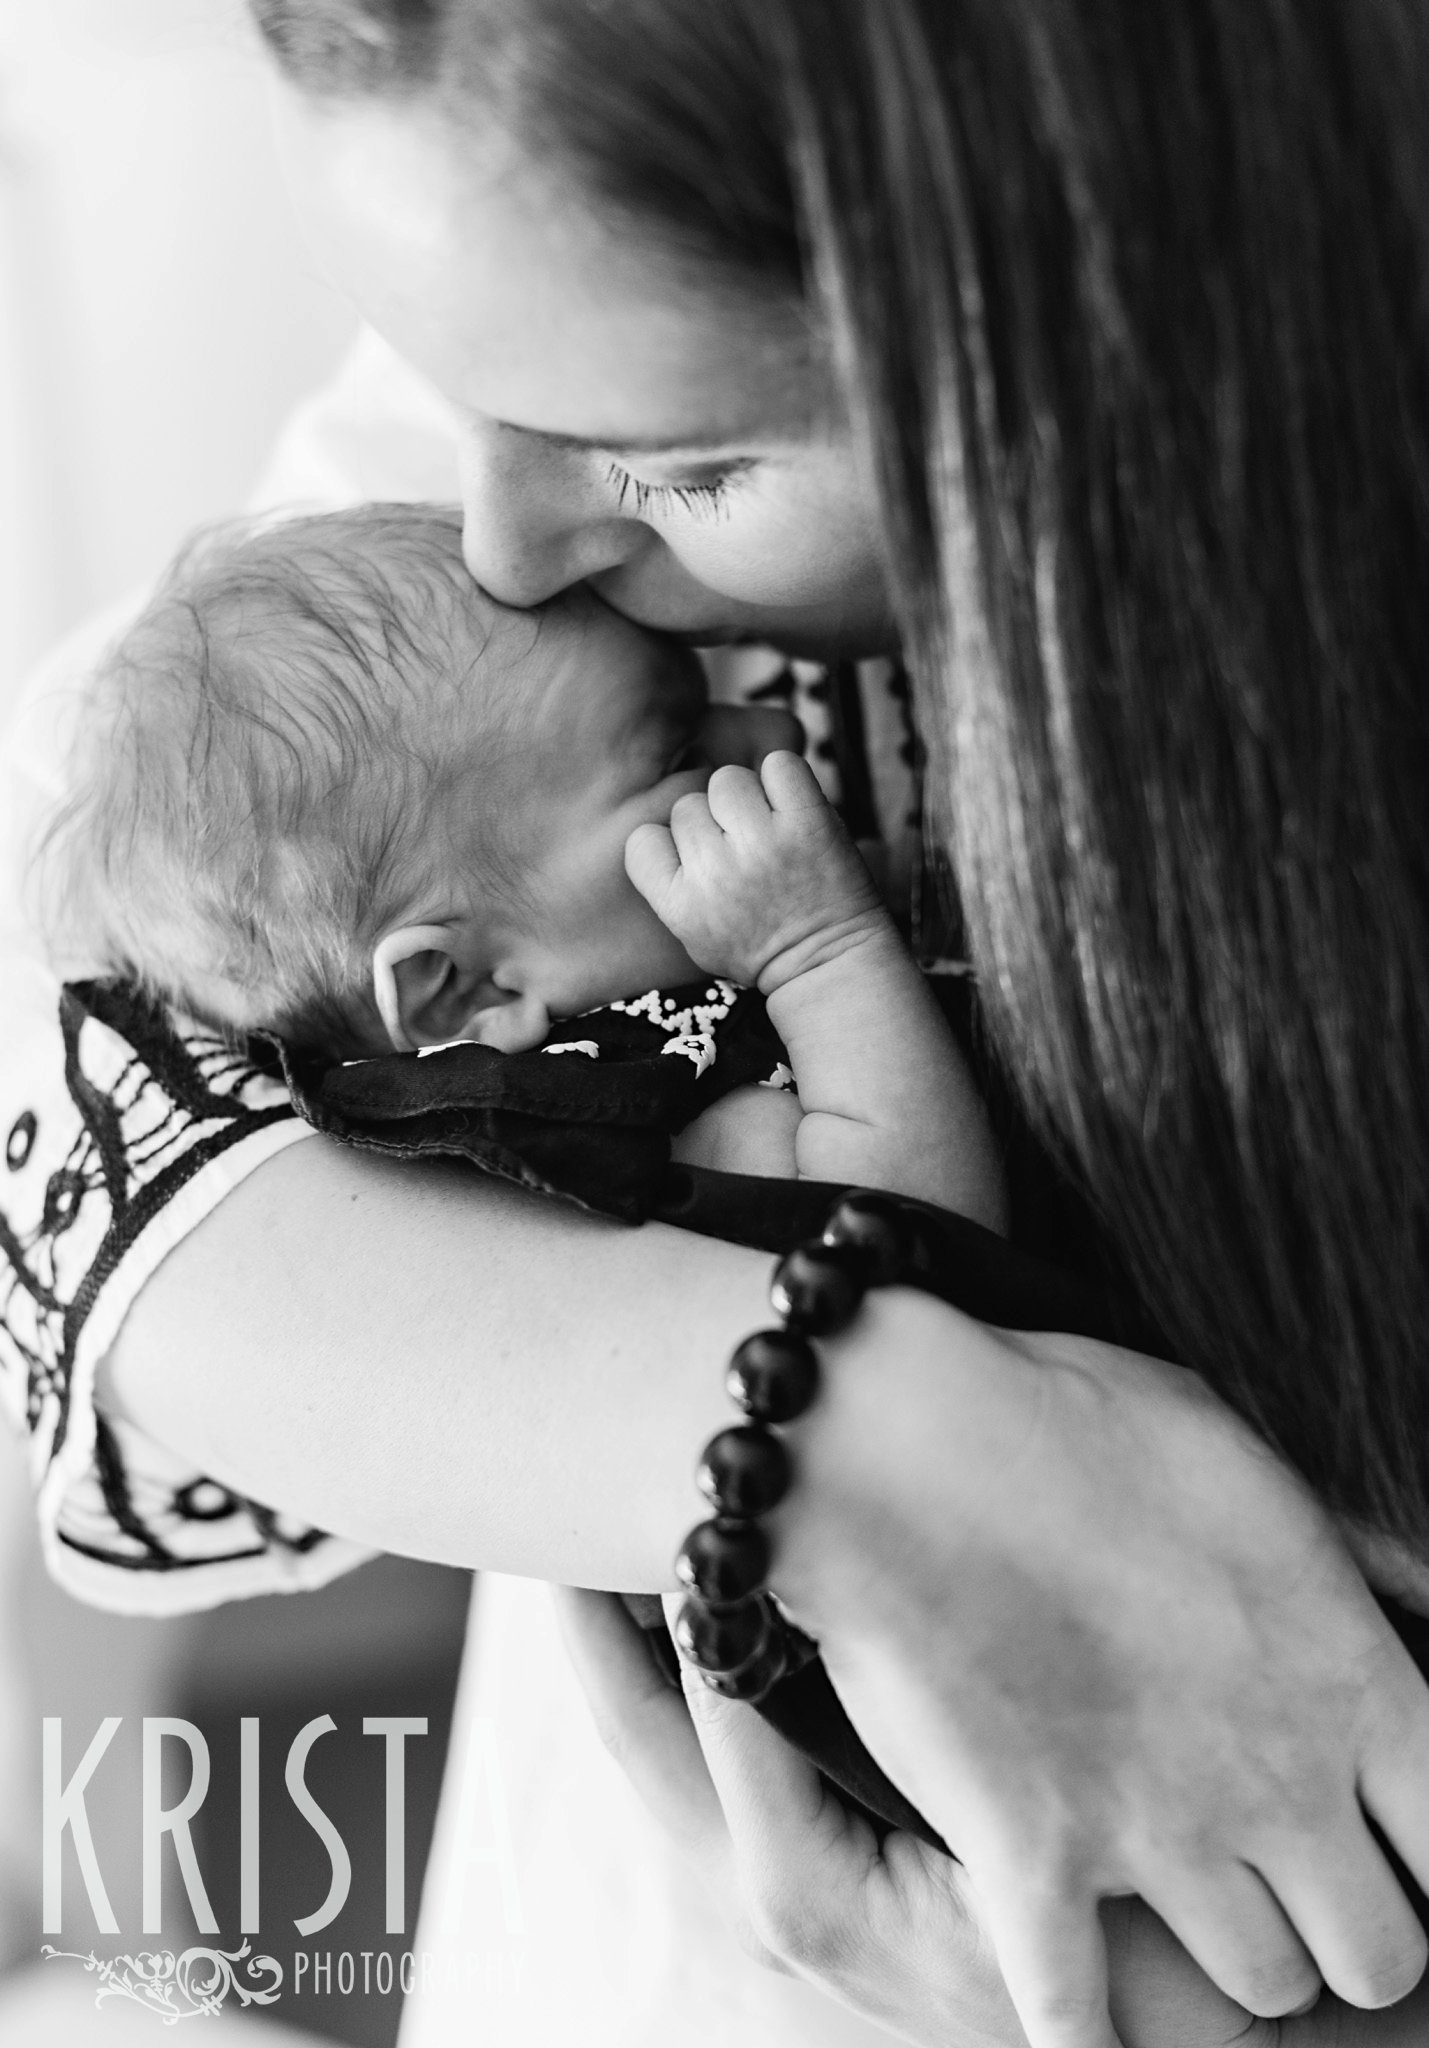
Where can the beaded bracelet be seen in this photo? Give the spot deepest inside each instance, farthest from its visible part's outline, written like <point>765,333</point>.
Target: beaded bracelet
<point>730,1626</point>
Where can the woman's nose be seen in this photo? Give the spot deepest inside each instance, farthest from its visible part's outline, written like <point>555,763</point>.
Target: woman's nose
<point>533,520</point>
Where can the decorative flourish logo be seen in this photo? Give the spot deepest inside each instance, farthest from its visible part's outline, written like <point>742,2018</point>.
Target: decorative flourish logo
<point>192,1986</point>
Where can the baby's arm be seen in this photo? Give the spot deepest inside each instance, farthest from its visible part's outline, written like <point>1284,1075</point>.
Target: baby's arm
<point>758,880</point>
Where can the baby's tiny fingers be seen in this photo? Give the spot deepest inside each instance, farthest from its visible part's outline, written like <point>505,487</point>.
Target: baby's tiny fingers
<point>737,799</point>
<point>791,784</point>
<point>696,833</point>
<point>652,864</point>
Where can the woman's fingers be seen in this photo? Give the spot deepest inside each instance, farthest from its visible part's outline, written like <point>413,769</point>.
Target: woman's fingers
<point>1029,1678</point>
<point>890,1929</point>
<point>1162,1998</point>
<point>1394,1768</point>
<point>1231,1923</point>
<point>641,1720</point>
<point>788,1832</point>
<point>1339,1891</point>
<point>1052,1954</point>
<point>894,1932</point>
<point>769,1794</point>
<point>1349,1910</point>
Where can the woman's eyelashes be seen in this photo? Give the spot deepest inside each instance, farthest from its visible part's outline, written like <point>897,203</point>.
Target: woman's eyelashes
<point>706,498</point>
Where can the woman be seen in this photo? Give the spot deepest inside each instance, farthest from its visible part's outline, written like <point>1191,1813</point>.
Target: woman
<point>580,223</point>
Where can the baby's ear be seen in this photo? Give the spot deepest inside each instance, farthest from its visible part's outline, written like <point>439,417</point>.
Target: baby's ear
<point>432,986</point>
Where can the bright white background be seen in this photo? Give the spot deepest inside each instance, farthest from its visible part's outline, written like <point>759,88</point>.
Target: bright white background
<point>158,312</point>
<point>158,317</point>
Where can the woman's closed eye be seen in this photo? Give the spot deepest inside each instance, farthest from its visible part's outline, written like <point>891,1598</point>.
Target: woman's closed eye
<point>703,497</point>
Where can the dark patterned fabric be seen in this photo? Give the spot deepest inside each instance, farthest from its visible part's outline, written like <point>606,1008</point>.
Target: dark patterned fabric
<point>587,1116</point>
<point>149,1108</point>
<point>96,1182</point>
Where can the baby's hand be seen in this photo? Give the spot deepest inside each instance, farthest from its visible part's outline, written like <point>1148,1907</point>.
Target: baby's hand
<point>757,878</point>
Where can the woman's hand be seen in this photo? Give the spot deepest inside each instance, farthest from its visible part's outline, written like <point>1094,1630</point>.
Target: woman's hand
<point>895,1932</point>
<point>1102,1639</point>
<point>1109,1645</point>
<point>801,1881</point>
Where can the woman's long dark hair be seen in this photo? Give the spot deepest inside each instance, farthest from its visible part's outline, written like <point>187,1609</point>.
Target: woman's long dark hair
<point>1136,294</point>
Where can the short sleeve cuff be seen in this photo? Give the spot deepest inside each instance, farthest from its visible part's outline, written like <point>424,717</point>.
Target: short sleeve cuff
<point>133,1128</point>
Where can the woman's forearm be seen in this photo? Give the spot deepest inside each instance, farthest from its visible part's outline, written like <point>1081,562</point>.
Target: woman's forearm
<point>442,1366</point>
<point>987,1533</point>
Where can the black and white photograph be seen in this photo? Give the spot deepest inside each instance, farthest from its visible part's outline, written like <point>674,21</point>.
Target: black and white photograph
<point>714,1023</point>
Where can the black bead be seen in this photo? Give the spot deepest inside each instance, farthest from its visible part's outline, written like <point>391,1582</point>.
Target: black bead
<point>724,1561</point>
<point>753,1680</point>
<point>744,1471</point>
<point>773,1376</point>
<point>726,1640</point>
<point>816,1288</point>
<point>873,1226</point>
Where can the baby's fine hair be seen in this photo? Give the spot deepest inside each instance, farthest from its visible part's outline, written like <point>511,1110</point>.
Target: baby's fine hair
<point>274,763</point>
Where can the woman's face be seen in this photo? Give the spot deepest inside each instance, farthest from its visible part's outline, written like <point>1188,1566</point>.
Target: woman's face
<point>678,445</point>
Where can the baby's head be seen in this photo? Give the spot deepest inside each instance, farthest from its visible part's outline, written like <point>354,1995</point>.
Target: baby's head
<point>328,787</point>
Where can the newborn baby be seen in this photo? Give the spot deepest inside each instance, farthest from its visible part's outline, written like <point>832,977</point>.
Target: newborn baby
<point>328,789</point>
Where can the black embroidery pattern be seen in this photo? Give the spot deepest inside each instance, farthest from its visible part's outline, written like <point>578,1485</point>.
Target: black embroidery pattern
<point>150,1104</point>
<point>593,1127</point>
